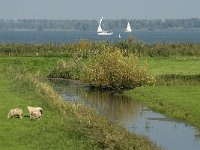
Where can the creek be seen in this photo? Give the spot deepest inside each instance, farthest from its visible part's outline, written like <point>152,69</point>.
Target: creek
<point>134,116</point>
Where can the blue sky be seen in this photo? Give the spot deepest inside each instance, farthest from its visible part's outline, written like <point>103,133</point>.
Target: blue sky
<point>94,9</point>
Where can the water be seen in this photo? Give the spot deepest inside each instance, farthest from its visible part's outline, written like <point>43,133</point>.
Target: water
<point>172,36</point>
<point>134,116</point>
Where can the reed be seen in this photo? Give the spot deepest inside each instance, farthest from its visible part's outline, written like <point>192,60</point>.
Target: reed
<point>85,48</point>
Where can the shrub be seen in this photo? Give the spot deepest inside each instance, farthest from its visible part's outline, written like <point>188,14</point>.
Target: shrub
<point>111,70</point>
<point>67,69</point>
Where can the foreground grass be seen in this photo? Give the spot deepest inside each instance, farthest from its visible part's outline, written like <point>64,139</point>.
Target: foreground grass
<point>47,133</point>
<point>63,126</point>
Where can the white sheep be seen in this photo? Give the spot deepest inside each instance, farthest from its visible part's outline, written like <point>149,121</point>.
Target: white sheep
<point>15,112</point>
<point>34,112</point>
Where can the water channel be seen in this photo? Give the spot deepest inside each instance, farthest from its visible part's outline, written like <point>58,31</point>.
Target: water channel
<point>134,116</point>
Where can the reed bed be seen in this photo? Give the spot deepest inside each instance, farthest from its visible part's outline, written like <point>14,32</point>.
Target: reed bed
<point>85,48</point>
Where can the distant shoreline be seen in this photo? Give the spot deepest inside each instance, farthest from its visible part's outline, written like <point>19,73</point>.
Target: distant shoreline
<point>60,30</point>
<point>91,25</point>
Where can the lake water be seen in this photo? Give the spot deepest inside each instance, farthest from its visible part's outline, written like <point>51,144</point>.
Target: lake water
<point>134,116</point>
<point>172,36</point>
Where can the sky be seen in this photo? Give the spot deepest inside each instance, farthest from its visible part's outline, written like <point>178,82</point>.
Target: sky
<point>95,9</point>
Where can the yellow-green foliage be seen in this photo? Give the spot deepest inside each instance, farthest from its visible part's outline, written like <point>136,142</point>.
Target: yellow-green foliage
<point>112,70</point>
<point>85,48</point>
<point>67,69</point>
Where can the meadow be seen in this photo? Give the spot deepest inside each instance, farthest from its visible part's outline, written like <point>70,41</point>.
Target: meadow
<point>63,125</point>
<point>167,81</point>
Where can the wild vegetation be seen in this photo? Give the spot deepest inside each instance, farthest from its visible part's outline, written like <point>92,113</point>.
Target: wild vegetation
<point>84,49</point>
<point>113,71</point>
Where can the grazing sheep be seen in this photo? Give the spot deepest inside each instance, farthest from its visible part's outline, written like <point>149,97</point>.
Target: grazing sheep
<point>35,112</point>
<point>15,112</point>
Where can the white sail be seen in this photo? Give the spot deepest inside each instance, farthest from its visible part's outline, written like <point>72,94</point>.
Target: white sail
<point>100,31</point>
<point>128,28</point>
<point>99,27</point>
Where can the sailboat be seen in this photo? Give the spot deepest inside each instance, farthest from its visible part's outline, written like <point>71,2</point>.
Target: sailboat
<point>128,28</point>
<point>100,31</point>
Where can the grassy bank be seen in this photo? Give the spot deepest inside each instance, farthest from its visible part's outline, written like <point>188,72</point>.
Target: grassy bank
<point>180,102</point>
<point>63,125</point>
<point>176,93</point>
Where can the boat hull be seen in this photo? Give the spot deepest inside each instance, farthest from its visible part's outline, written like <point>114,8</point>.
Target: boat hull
<point>105,33</point>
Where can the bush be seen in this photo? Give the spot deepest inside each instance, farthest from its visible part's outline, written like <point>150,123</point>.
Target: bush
<point>111,70</point>
<point>67,69</point>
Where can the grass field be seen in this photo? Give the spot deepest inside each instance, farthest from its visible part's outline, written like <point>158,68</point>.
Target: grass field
<point>187,65</point>
<point>180,101</point>
<point>63,126</point>
<point>75,127</point>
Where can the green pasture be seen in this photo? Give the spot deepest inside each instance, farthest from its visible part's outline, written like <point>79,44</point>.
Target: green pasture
<point>185,65</point>
<point>63,126</point>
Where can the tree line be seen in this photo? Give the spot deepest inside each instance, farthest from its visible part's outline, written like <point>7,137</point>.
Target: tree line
<point>91,25</point>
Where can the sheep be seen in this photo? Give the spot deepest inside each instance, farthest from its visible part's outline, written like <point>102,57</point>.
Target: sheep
<point>34,112</point>
<point>15,112</point>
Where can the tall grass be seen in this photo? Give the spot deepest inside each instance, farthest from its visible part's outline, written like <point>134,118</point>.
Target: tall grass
<point>85,48</point>
<point>68,69</point>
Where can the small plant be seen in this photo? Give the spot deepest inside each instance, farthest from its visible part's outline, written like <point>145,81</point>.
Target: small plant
<point>67,69</point>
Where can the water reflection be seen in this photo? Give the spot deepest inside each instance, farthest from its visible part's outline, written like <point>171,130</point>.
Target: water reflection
<point>132,115</point>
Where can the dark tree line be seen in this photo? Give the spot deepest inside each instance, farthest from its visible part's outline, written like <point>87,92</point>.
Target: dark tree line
<point>91,25</point>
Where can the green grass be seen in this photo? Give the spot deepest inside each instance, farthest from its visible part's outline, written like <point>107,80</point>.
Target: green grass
<point>177,95</point>
<point>35,65</point>
<point>51,132</point>
<point>173,65</point>
<point>64,126</point>
<point>180,102</point>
